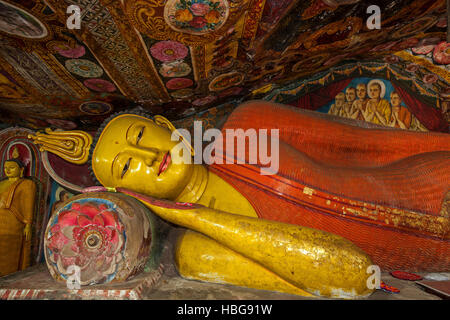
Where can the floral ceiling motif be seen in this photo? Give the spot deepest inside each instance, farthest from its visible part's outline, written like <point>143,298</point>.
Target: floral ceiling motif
<point>184,57</point>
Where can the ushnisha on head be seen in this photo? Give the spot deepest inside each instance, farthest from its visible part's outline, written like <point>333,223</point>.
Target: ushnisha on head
<point>132,150</point>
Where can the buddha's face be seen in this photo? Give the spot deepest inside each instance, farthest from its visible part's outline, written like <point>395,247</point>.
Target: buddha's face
<point>395,100</point>
<point>134,152</point>
<point>350,95</point>
<point>12,170</point>
<point>375,91</point>
<point>361,91</point>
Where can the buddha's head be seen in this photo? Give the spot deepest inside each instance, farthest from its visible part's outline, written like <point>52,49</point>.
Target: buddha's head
<point>361,91</point>
<point>14,169</point>
<point>136,152</point>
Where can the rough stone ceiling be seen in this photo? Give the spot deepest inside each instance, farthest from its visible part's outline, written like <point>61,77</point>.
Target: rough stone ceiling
<point>181,57</point>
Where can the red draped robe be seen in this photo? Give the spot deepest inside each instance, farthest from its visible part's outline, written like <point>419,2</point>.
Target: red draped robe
<point>383,189</point>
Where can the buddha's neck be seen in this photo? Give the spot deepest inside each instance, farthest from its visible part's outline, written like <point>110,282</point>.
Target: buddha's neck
<point>196,186</point>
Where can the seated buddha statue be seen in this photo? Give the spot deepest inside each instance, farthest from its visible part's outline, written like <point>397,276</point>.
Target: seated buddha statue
<point>17,198</point>
<point>340,188</point>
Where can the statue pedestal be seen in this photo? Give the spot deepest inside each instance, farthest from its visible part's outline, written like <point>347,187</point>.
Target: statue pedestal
<point>36,283</point>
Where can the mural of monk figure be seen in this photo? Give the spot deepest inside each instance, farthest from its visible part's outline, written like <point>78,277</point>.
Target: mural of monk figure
<point>17,199</point>
<point>400,117</point>
<point>248,229</point>
<point>338,105</point>
<point>360,104</point>
<point>378,109</point>
<point>348,111</point>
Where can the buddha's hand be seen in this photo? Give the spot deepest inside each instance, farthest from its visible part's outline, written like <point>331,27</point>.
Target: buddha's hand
<point>315,261</point>
<point>27,232</point>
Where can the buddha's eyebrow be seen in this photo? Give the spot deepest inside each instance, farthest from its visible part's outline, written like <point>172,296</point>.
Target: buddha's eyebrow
<point>113,164</point>
<point>128,130</point>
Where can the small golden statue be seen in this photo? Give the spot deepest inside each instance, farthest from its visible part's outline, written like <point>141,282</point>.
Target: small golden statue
<point>17,199</point>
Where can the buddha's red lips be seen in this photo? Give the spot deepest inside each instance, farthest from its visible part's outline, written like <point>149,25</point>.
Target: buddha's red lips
<point>164,163</point>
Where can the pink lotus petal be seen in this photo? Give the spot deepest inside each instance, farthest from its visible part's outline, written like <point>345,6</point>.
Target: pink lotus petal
<point>76,206</point>
<point>90,210</point>
<point>114,238</point>
<point>84,221</point>
<point>57,241</point>
<point>98,220</point>
<point>77,233</point>
<point>109,218</point>
<point>68,218</point>
<point>54,229</point>
<point>102,207</point>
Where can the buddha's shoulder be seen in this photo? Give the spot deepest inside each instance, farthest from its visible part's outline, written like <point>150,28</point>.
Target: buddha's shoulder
<point>27,183</point>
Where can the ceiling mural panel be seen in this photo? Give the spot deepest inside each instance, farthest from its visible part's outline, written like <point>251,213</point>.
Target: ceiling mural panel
<point>181,58</point>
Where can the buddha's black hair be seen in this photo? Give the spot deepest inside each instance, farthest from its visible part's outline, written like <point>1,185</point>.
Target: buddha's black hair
<point>20,163</point>
<point>135,111</point>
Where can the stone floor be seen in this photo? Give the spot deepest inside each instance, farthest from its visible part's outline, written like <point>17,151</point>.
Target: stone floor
<point>170,286</point>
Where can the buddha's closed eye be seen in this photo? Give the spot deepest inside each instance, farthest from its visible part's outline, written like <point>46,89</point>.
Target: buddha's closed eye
<point>141,133</point>
<point>125,168</point>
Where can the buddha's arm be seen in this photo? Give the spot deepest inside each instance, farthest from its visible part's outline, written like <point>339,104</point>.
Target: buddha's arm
<point>315,261</point>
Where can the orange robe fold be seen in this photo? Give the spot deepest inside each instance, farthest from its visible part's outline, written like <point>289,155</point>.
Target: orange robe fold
<point>383,189</point>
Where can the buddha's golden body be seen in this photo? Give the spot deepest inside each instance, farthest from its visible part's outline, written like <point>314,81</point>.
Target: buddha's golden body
<point>17,198</point>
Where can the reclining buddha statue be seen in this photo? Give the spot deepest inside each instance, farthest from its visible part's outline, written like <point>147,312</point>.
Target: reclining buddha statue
<point>344,198</point>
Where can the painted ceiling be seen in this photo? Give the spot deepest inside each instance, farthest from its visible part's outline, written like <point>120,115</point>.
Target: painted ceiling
<point>185,58</point>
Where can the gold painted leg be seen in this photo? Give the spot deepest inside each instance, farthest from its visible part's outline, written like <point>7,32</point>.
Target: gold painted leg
<point>201,258</point>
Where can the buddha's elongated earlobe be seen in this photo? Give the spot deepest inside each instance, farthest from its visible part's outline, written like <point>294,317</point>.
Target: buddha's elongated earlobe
<point>162,121</point>
<point>21,172</point>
